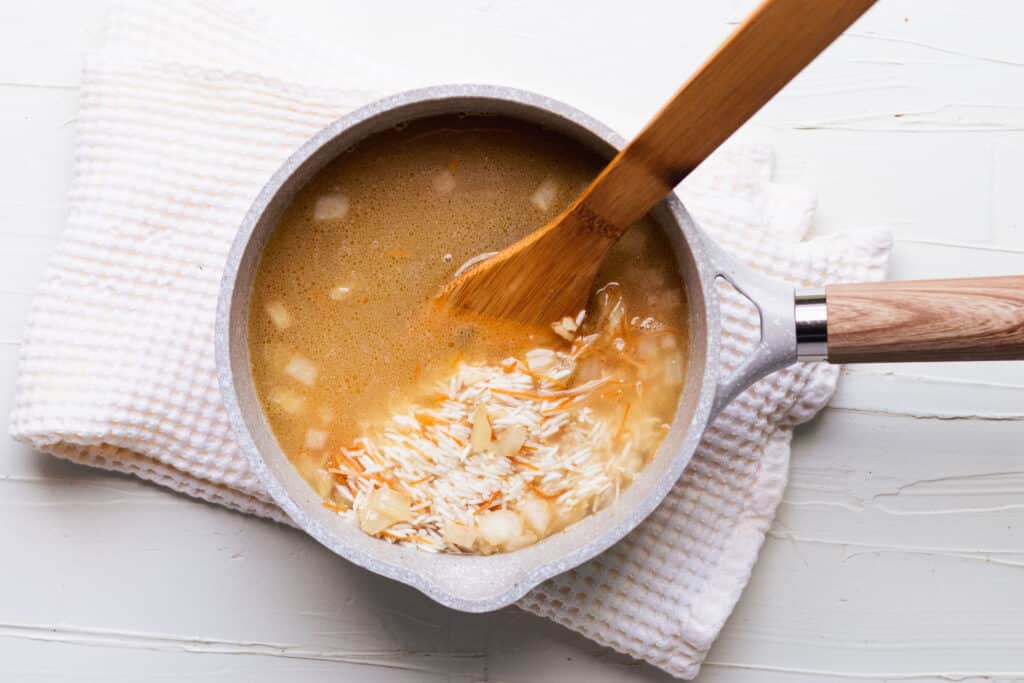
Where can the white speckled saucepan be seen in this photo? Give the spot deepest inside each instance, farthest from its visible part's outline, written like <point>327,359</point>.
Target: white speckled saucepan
<point>483,583</point>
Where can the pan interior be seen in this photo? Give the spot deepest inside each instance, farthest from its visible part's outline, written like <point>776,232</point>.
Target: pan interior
<point>467,582</point>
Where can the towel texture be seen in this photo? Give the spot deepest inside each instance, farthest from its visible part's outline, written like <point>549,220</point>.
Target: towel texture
<point>185,113</point>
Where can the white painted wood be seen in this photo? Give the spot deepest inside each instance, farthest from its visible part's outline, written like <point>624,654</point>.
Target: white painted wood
<point>899,549</point>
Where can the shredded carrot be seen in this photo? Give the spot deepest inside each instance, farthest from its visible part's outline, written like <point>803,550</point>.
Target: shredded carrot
<point>385,478</point>
<point>352,463</point>
<point>332,506</point>
<point>525,464</point>
<point>375,457</point>
<point>561,405</point>
<point>419,539</point>
<point>458,359</point>
<point>338,474</point>
<point>546,496</point>
<point>420,480</point>
<point>417,372</point>
<point>398,253</point>
<point>488,503</point>
<point>452,165</point>
<point>426,419</point>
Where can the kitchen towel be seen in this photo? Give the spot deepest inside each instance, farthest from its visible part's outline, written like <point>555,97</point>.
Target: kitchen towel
<point>186,110</point>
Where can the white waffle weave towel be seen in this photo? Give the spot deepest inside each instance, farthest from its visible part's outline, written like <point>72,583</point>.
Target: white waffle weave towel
<point>185,113</point>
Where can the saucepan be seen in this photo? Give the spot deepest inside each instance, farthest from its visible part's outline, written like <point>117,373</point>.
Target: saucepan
<point>979,319</point>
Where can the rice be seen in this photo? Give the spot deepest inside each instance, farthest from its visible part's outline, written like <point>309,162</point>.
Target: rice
<point>528,437</point>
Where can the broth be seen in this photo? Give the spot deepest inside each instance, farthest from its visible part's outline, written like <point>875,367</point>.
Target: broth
<point>348,353</point>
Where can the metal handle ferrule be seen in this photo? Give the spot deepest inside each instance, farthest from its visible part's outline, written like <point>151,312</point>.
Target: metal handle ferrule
<point>811,325</point>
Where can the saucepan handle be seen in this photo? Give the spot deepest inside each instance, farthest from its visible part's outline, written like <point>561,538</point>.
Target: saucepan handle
<point>970,319</point>
<point>777,346</point>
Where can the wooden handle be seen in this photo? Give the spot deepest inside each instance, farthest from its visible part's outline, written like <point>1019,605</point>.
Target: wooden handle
<point>763,54</point>
<point>927,320</point>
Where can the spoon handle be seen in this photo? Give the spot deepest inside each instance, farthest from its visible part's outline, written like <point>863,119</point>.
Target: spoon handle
<point>763,54</point>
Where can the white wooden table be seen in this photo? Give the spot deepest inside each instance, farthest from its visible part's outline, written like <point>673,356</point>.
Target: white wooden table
<point>899,550</point>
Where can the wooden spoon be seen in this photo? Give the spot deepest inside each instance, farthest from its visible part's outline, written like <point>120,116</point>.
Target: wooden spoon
<point>550,273</point>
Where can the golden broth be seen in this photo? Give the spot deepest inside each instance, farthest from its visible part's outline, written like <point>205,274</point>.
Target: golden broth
<point>342,334</point>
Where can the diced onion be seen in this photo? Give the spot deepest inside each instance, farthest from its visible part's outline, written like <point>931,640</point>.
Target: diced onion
<point>565,328</point>
<point>521,541</point>
<point>289,401</point>
<point>480,439</point>
<point>325,414</point>
<point>382,508</point>
<point>540,360</point>
<point>545,195</point>
<point>443,181</point>
<point>459,534</point>
<point>316,439</point>
<point>339,293</point>
<point>538,514</point>
<point>510,441</point>
<point>279,315</point>
<point>500,526</point>
<point>301,369</point>
<point>331,207</point>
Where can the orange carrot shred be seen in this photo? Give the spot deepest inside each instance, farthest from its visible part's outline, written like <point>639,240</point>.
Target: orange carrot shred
<point>546,496</point>
<point>525,464</point>
<point>332,506</point>
<point>488,503</point>
<point>352,463</point>
<point>426,419</point>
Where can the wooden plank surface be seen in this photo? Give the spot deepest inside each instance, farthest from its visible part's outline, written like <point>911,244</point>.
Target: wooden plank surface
<point>898,551</point>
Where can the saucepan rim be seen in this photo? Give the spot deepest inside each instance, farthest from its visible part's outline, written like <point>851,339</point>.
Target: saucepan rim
<point>511,577</point>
